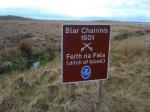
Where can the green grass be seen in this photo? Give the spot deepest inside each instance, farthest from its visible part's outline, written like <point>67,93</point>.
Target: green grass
<point>19,62</point>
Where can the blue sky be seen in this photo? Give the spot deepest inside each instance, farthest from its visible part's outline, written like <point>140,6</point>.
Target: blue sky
<point>122,10</point>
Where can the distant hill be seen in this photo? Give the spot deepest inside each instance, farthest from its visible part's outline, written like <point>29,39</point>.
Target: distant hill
<point>11,17</point>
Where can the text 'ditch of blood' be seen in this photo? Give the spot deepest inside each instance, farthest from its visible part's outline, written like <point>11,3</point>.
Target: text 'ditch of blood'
<point>85,52</point>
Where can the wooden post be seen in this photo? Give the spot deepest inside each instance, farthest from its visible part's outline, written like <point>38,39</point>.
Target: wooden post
<point>100,89</point>
<point>71,89</point>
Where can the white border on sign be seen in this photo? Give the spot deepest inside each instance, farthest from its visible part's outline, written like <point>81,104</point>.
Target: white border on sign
<point>62,52</point>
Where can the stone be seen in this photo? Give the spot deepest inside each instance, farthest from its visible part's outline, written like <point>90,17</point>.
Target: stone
<point>35,64</point>
<point>6,64</point>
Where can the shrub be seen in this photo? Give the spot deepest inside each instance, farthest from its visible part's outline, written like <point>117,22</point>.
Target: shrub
<point>127,34</point>
<point>131,47</point>
<point>26,48</point>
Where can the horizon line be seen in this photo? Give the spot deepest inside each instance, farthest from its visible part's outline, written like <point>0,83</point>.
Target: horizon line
<point>77,19</point>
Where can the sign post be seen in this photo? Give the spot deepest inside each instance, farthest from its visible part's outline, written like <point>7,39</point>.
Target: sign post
<point>99,89</point>
<point>85,52</point>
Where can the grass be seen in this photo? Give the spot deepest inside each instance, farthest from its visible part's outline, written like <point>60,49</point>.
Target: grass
<point>128,34</point>
<point>40,90</point>
<point>21,60</point>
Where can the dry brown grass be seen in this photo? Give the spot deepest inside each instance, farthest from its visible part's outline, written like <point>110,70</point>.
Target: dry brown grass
<point>132,47</point>
<point>40,90</point>
<point>25,47</point>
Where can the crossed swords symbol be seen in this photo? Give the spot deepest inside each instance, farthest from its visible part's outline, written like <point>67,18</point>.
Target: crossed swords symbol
<point>87,46</point>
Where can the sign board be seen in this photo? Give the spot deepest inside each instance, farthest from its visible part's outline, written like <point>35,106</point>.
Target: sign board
<point>85,52</point>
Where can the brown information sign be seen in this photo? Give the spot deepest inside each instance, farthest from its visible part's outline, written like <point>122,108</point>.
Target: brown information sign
<point>85,52</point>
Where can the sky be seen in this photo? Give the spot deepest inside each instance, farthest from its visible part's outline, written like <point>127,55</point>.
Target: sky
<point>122,10</point>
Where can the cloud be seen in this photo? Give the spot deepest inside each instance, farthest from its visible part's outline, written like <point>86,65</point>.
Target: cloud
<point>84,8</point>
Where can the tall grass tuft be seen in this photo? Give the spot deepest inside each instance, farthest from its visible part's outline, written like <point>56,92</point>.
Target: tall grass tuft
<point>132,47</point>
